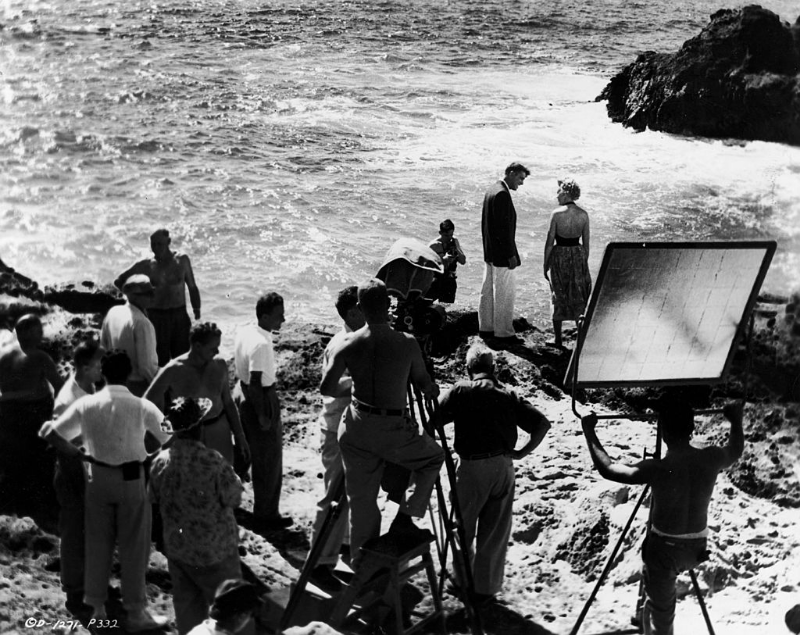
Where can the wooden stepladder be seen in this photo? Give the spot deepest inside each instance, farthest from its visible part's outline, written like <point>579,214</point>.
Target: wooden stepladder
<point>387,564</point>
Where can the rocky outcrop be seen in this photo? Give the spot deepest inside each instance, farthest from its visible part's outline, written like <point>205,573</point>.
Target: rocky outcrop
<point>739,78</point>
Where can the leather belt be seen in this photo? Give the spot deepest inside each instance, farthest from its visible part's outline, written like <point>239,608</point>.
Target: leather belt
<point>367,409</point>
<point>485,455</point>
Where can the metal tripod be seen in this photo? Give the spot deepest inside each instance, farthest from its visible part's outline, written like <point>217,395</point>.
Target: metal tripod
<point>643,495</point>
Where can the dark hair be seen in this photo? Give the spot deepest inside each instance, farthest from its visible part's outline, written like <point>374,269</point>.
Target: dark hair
<point>160,232</point>
<point>346,300</point>
<point>116,366</point>
<point>267,302</point>
<point>26,323</point>
<point>85,352</point>
<point>676,417</point>
<point>373,297</point>
<point>517,167</point>
<point>446,225</point>
<point>203,332</point>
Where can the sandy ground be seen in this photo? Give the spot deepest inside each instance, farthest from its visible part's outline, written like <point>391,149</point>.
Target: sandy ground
<point>566,518</point>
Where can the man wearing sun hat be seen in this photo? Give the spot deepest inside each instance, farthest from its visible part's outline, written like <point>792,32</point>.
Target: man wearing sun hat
<point>128,328</point>
<point>196,490</point>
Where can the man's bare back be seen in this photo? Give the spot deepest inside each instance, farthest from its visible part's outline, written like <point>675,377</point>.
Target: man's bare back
<point>380,361</point>
<point>682,489</point>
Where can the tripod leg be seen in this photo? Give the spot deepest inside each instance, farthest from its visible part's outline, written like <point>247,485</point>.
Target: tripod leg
<point>701,601</point>
<point>331,517</point>
<point>609,564</point>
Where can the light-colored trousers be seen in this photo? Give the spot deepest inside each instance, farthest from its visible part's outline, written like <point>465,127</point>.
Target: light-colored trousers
<point>117,513</point>
<point>367,442</point>
<point>496,308</point>
<point>486,496</point>
<point>333,479</point>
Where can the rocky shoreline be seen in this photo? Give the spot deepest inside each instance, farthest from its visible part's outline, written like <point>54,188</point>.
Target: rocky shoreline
<point>739,79</point>
<point>566,518</point>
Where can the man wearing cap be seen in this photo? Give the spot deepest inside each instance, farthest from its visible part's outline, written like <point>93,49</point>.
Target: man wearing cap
<point>171,274</point>
<point>196,490</point>
<point>128,328</point>
<point>260,409</point>
<point>500,255</point>
<point>486,417</point>
<point>235,603</point>
<point>113,423</point>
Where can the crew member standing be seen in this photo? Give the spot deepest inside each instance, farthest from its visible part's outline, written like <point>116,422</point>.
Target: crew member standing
<point>682,483</point>
<point>486,417</point>
<point>260,409</point>
<point>171,274</point>
<point>332,410</point>
<point>500,255</point>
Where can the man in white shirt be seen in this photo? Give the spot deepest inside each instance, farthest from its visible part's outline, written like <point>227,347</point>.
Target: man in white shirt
<point>69,479</point>
<point>127,328</point>
<point>113,423</point>
<point>260,409</point>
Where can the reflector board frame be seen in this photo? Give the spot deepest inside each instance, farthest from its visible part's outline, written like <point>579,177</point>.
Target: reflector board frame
<point>668,313</point>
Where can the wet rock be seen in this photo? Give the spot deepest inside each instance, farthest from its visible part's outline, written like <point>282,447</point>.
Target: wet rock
<point>84,298</point>
<point>739,78</point>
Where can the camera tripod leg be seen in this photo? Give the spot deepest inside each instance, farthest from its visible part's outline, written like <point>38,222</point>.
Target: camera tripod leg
<point>609,563</point>
<point>701,601</point>
<point>454,531</point>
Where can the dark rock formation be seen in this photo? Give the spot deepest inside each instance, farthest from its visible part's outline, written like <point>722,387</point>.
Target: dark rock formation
<point>739,78</point>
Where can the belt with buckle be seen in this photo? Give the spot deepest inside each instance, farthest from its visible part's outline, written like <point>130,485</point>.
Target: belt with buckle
<point>372,410</point>
<point>485,455</point>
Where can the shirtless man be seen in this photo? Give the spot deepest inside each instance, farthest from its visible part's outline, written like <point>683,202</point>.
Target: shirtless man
<point>28,381</point>
<point>201,373</point>
<point>376,426</point>
<point>682,483</point>
<point>169,271</point>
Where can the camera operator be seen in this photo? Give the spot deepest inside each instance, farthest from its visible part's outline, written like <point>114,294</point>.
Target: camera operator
<point>682,483</point>
<point>376,426</point>
<point>449,250</point>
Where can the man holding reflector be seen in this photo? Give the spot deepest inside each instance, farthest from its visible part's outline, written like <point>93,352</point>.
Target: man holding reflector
<point>682,483</point>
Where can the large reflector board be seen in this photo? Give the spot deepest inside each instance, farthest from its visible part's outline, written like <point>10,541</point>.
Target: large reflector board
<point>668,313</point>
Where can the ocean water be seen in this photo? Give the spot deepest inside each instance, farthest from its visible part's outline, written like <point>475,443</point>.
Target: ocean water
<point>287,146</point>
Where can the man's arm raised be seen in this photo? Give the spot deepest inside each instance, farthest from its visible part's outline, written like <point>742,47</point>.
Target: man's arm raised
<point>638,473</point>
<point>139,267</point>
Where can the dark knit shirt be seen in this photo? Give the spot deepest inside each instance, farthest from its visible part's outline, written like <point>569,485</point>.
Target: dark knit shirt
<point>486,416</point>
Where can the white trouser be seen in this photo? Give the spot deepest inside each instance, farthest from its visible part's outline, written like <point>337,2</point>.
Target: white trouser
<point>496,308</point>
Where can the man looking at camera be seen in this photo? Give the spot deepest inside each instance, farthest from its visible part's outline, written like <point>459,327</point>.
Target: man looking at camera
<point>682,483</point>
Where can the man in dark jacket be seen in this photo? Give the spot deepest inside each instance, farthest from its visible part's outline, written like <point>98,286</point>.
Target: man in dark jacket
<point>500,256</point>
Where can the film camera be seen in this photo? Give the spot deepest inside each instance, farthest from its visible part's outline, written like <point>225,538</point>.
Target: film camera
<point>408,270</point>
